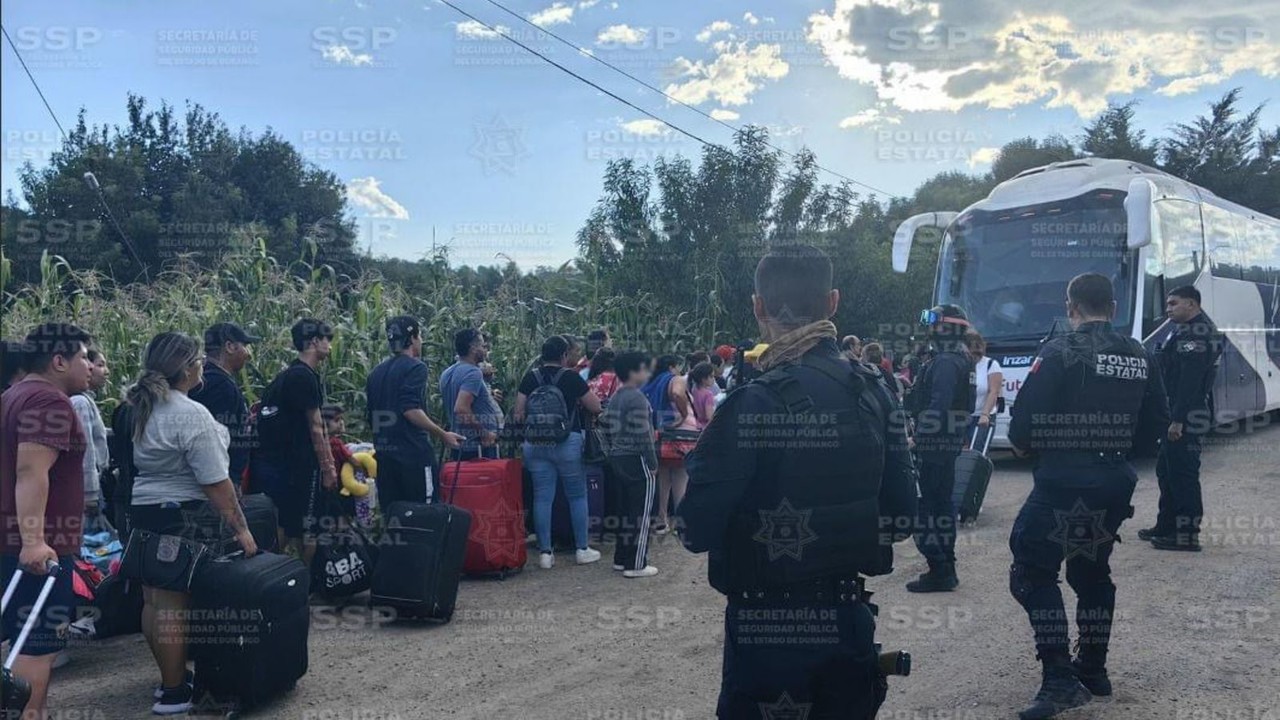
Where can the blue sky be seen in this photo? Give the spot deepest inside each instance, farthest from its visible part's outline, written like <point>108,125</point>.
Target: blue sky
<point>435,125</point>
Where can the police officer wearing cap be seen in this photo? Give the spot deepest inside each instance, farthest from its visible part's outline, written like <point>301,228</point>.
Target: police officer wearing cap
<point>800,485</point>
<point>1188,361</point>
<point>227,350</point>
<point>1090,397</point>
<point>940,404</point>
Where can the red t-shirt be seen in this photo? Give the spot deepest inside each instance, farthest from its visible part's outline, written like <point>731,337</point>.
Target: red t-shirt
<point>34,411</point>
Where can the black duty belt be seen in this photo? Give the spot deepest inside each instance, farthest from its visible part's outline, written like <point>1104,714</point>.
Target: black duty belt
<point>825,590</point>
<point>1085,458</point>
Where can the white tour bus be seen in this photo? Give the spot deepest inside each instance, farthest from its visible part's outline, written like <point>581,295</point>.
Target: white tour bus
<point>1007,260</point>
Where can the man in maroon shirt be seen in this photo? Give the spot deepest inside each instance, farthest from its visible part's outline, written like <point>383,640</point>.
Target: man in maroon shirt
<point>42,493</point>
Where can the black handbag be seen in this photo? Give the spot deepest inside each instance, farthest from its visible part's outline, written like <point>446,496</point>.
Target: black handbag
<point>593,447</point>
<point>166,562</point>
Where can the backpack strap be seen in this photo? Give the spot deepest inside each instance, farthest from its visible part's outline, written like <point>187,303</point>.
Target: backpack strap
<point>860,380</point>
<point>784,385</point>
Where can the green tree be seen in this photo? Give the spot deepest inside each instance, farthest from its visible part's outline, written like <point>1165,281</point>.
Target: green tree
<point>1026,153</point>
<point>179,187</point>
<point>1112,135</point>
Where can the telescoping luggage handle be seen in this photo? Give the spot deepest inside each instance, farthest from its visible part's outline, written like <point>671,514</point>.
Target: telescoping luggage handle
<point>53,569</point>
<point>991,430</point>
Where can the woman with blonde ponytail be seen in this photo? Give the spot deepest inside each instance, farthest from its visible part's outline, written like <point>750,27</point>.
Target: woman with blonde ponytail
<point>180,459</point>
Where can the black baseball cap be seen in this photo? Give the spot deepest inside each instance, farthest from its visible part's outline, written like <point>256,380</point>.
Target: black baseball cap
<point>402,327</point>
<point>227,332</point>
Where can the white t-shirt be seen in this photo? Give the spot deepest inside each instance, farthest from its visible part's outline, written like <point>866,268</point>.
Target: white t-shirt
<point>986,366</point>
<point>182,448</point>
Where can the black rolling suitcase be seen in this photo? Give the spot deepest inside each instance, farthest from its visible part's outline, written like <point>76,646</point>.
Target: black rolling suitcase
<point>261,517</point>
<point>248,630</point>
<point>420,560</point>
<point>973,474</point>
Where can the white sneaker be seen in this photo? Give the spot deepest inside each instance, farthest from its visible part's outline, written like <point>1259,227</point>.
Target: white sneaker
<point>619,568</point>
<point>546,561</point>
<point>587,555</point>
<point>646,571</point>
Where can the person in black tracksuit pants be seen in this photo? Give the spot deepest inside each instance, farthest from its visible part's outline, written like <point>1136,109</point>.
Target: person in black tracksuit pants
<point>1090,397</point>
<point>801,482</point>
<point>941,403</point>
<point>1187,360</point>
<point>633,462</point>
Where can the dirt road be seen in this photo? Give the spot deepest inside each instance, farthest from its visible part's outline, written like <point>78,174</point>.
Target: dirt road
<point>1197,636</point>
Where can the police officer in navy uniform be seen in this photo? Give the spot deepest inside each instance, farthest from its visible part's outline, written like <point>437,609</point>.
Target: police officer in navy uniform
<point>1188,360</point>
<point>1089,398</point>
<point>941,404</point>
<point>800,485</point>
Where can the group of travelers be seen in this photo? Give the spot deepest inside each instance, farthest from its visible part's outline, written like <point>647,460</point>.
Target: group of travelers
<point>184,444</point>
<point>677,449</point>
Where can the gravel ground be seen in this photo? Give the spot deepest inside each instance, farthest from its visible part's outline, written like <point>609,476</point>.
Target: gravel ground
<point>1197,636</point>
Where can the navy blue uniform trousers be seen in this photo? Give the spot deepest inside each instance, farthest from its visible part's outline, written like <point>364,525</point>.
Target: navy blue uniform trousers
<point>1076,525</point>
<point>800,659</point>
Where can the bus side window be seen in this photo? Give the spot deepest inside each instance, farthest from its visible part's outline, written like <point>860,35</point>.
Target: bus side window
<point>1225,242</point>
<point>1261,258</point>
<point>1183,237</point>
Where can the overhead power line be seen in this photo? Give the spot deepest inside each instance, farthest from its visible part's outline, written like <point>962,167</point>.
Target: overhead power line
<point>89,178</point>
<point>649,86</point>
<point>580,78</point>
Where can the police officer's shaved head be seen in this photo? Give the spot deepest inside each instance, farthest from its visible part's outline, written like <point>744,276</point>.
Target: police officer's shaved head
<point>794,284</point>
<point>1092,294</point>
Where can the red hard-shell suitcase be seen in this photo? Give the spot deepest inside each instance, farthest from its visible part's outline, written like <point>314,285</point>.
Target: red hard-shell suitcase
<point>491,491</point>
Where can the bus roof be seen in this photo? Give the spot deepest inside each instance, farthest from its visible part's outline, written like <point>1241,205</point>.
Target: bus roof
<point>1072,178</point>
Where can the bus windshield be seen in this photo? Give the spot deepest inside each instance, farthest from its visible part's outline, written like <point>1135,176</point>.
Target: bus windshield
<point>1009,269</point>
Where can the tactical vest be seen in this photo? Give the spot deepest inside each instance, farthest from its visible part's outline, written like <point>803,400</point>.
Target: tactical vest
<point>814,509</point>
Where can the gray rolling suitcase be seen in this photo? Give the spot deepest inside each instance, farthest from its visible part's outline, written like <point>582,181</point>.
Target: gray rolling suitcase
<point>973,474</point>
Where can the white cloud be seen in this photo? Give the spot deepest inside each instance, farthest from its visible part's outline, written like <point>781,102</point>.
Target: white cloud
<point>472,30</point>
<point>342,55</point>
<point>719,26</point>
<point>983,156</point>
<point>922,55</point>
<point>621,35</point>
<point>558,14</point>
<point>737,72</point>
<point>366,194</point>
<point>725,115</point>
<point>646,127</point>
<point>871,117</point>
<point>584,4</point>
<point>750,18</point>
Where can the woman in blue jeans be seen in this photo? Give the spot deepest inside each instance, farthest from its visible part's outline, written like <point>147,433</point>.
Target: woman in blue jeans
<point>552,462</point>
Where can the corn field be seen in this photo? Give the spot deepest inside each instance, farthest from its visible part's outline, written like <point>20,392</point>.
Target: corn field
<point>266,297</point>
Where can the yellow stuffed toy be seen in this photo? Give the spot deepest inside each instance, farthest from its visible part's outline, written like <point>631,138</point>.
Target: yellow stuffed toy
<point>351,486</point>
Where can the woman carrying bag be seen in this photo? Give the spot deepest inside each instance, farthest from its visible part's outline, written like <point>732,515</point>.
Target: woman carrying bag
<point>182,498</point>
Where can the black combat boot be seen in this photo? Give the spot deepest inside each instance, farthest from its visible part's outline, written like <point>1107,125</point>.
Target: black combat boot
<point>1146,534</point>
<point>1090,667</point>
<point>940,578</point>
<point>1059,689</point>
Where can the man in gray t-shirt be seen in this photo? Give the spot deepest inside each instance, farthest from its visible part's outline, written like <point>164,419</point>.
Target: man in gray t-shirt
<point>468,404</point>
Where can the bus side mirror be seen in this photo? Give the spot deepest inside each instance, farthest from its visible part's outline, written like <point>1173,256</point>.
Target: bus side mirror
<point>1140,210</point>
<point>905,235</point>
